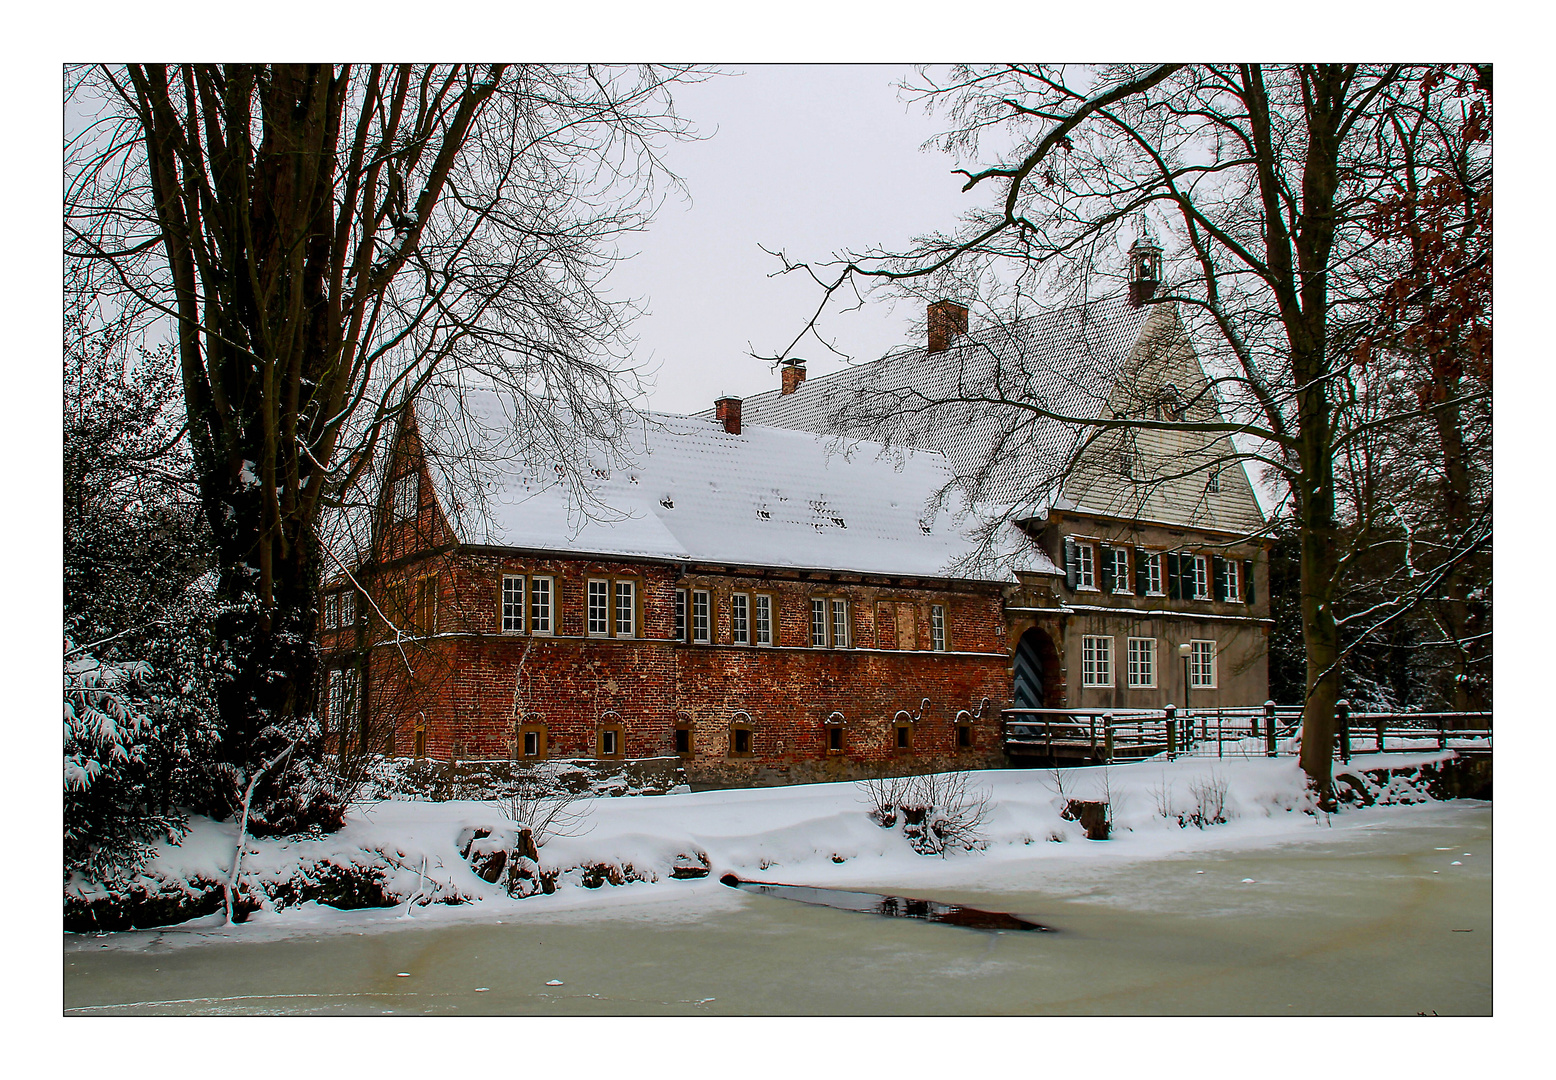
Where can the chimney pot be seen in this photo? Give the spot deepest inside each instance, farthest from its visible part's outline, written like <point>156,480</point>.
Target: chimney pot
<point>947,320</point>
<point>727,409</point>
<point>793,375</point>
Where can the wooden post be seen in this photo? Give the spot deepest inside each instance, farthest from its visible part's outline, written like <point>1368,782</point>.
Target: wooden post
<point>1269,728</point>
<point>1382,733</point>
<point>1094,736</point>
<point>1342,715</point>
<point>1107,740</point>
<point>1172,735</point>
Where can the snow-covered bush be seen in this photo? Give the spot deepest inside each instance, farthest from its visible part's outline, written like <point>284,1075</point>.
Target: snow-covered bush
<point>111,808</point>
<point>939,812</point>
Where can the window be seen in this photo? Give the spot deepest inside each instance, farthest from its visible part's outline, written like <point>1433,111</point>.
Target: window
<point>1153,573</point>
<point>964,736</point>
<point>937,627</point>
<point>599,607</point>
<point>1201,577</point>
<point>683,739</point>
<point>341,703</point>
<point>540,605</point>
<point>610,742</point>
<point>818,623</point>
<point>680,614</point>
<point>1202,664</point>
<point>512,604</point>
<point>840,624</point>
<point>904,737</point>
<point>740,619</point>
<point>1120,559</point>
<point>532,739</point>
<point>419,745</point>
<point>834,738</point>
<point>740,742</point>
<point>1213,485</point>
<point>626,609</point>
<point>1085,568</point>
<point>1232,581</point>
<point>702,622</point>
<point>1096,661</point>
<point>331,610</point>
<point>1142,662</point>
<point>404,497</point>
<point>424,616</point>
<point>348,609</point>
<point>764,619</point>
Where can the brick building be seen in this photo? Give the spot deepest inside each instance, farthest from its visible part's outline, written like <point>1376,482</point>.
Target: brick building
<point>765,594</point>
<point>743,597</point>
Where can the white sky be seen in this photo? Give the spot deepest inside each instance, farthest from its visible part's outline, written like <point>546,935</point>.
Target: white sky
<point>807,159</point>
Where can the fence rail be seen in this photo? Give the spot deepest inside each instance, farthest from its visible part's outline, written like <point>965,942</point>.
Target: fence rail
<point>1119,735</point>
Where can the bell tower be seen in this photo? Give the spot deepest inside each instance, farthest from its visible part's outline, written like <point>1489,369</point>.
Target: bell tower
<point>1145,269</point>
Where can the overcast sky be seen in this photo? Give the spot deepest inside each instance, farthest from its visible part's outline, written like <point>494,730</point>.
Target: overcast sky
<point>808,159</point>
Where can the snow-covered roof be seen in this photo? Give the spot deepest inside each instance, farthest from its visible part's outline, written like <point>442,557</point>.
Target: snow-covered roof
<point>682,488</point>
<point>1083,360</point>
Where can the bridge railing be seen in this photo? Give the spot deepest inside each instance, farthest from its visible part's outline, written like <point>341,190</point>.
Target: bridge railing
<point>1106,735</point>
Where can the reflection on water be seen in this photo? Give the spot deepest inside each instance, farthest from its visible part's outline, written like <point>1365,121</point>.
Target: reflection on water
<point>1389,912</point>
<point>896,907</point>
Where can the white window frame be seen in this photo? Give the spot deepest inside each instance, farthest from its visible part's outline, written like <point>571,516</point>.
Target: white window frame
<point>525,738</point>
<point>818,622</point>
<point>341,701</point>
<point>331,610</point>
<point>740,618</point>
<point>1085,566</point>
<point>1096,660</point>
<point>405,497</point>
<point>1232,580</point>
<point>1201,576</point>
<point>1202,665</point>
<point>1153,574</point>
<point>624,594</point>
<point>510,604</point>
<point>842,629</point>
<point>542,605</point>
<point>937,627</point>
<point>348,609</point>
<point>762,620</point>
<point>682,616</point>
<point>597,609</point>
<point>1122,581</point>
<point>1142,663</point>
<point>608,743</point>
<point>703,634</point>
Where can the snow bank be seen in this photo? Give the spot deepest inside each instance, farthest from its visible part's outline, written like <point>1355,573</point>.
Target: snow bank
<point>817,834</point>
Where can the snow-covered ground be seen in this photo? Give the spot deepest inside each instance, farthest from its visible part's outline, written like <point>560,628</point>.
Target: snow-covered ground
<point>819,834</point>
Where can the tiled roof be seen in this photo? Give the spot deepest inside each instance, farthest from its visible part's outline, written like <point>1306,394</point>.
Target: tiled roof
<point>682,488</point>
<point>1076,361</point>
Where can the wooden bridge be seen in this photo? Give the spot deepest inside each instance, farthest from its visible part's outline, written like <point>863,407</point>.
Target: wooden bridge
<point>1104,736</point>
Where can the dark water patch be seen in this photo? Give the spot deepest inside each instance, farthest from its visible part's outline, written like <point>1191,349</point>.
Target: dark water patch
<point>895,907</point>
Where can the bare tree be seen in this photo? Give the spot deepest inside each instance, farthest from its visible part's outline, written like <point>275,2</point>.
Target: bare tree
<point>1263,185</point>
<point>320,241</point>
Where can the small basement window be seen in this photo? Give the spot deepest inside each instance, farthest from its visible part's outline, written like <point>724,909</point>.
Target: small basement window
<point>904,737</point>
<point>964,736</point>
<point>610,742</point>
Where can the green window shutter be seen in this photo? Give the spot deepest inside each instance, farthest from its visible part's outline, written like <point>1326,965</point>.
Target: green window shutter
<point>1142,582</point>
<point>1174,576</point>
<point>1105,556</point>
<point>1069,563</point>
<point>1218,578</point>
<point>1247,581</point>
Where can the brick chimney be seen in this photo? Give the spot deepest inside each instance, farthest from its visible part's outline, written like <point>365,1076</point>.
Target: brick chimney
<point>947,319</point>
<point>793,375</point>
<point>727,409</point>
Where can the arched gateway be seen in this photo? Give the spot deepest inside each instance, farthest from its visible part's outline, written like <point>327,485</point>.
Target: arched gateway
<point>1034,655</point>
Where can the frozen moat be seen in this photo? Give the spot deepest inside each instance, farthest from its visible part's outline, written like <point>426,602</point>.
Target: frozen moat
<point>1392,915</point>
